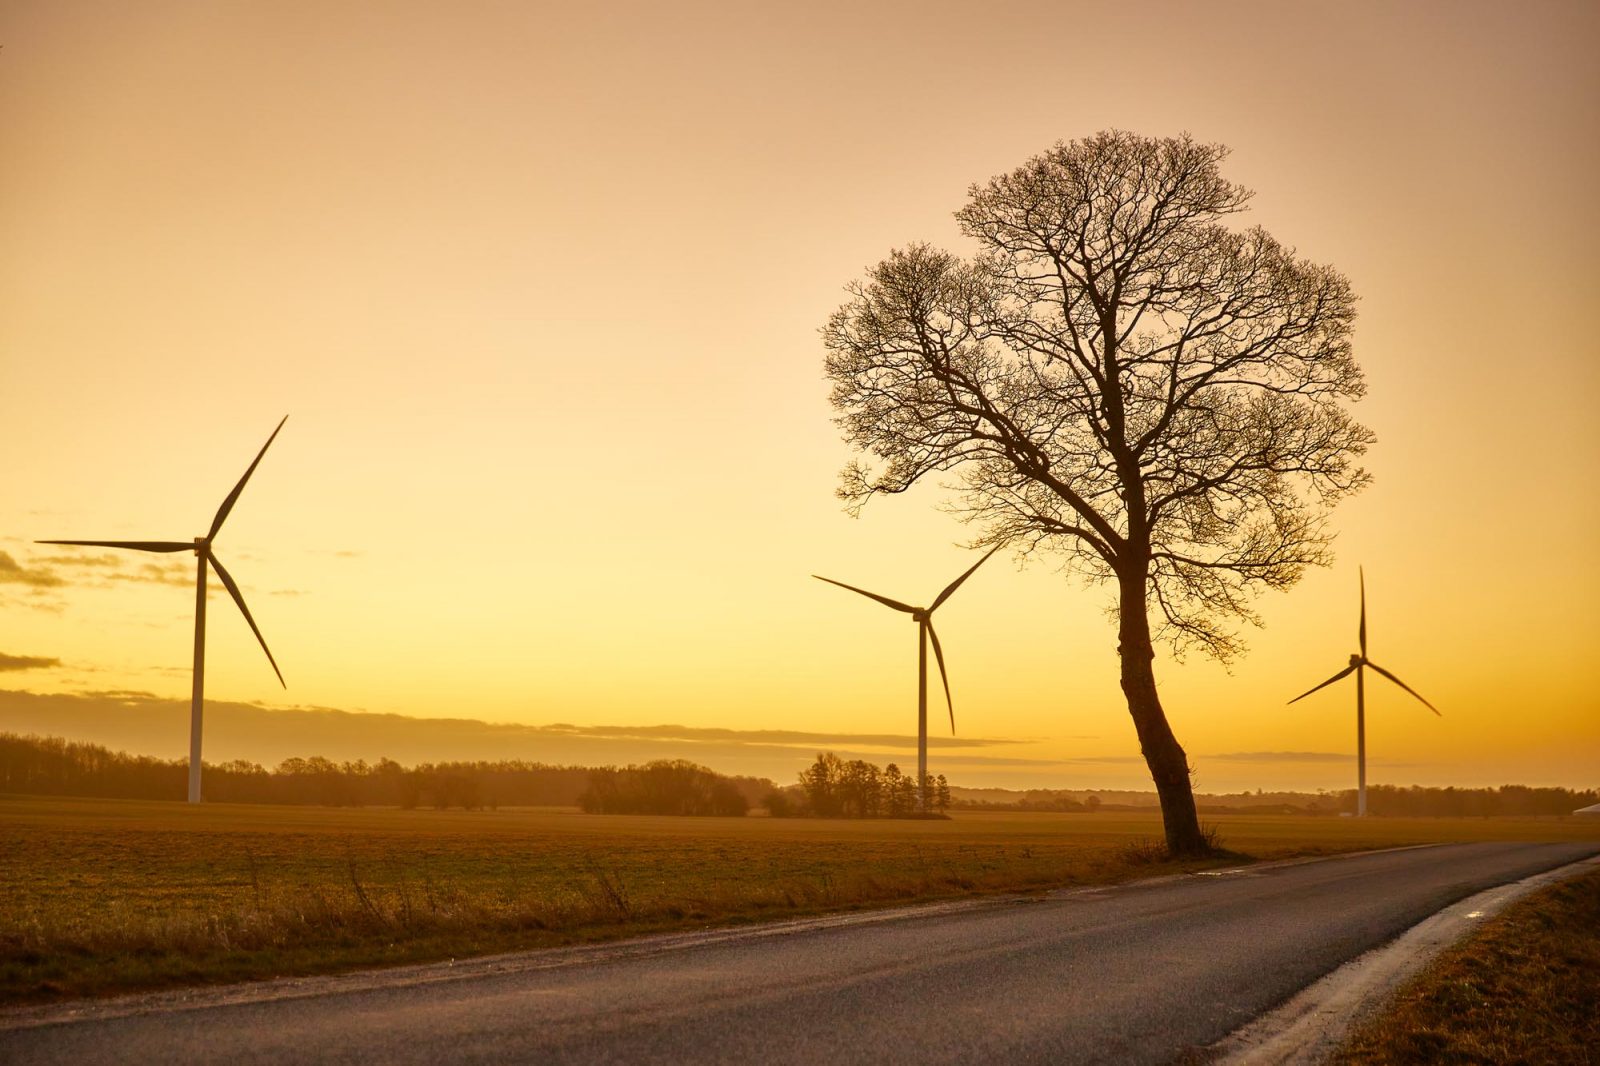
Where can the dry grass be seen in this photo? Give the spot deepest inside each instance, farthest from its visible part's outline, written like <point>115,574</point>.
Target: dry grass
<point>1525,989</point>
<point>100,896</point>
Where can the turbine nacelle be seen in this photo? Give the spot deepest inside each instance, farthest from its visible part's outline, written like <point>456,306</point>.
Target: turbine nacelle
<point>923,616</point>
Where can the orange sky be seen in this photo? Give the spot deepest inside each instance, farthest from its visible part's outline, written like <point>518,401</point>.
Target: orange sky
<point>539,288</point>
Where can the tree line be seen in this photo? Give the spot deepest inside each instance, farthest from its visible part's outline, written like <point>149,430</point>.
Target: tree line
<point>55,767</point>
<point>1420,802</point>
<point>829,788</point>
<point>833,788</point>
<point>667,786</point>
<point>1384,800</point>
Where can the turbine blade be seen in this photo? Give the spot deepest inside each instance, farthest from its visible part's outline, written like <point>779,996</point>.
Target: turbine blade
<point>1363,578</point>
<point>1407,687</point>
<point>1342,673</point>
<point>135,545</point>
<point>938,656</point>
<point>945,595</point>
<point>233,590</point>
<point>886,601</point>
<point>227,504</point>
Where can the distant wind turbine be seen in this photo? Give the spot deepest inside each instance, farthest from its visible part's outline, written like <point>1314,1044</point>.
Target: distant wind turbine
<point>201,546</point>
<point>1357,664</point>
<point>924,619</point>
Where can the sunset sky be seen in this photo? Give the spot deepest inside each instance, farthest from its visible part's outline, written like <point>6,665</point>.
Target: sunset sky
<point>539,288</point>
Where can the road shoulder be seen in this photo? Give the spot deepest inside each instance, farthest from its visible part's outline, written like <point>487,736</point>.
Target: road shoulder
<point>1312,1025</point>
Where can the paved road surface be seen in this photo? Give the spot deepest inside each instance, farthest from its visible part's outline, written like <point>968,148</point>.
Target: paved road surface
<point>1134,974</point>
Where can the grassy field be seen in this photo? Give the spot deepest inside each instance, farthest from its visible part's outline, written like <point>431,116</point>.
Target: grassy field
<point>100,896</point>
<point>1526,988</point>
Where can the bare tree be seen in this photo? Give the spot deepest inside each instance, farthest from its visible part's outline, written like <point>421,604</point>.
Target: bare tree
<point>1118,377</point>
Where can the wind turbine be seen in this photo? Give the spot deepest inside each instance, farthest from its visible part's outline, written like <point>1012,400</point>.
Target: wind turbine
<point>201,546</point>
<point>923,616</point>
<point>1357,664</point>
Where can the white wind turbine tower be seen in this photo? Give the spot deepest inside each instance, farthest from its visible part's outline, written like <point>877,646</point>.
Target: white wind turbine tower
<point>924,619</point>
<point>201,546</point>
<point>1357,664</point>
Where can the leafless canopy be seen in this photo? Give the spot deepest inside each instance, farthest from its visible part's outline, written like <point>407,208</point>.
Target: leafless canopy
<point>1117,376</point>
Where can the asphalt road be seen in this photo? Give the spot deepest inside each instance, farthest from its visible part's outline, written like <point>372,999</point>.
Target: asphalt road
<point>1131,974</point>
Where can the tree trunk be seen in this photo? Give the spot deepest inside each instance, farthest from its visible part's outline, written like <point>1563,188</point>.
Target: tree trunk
<point>1169,766</point>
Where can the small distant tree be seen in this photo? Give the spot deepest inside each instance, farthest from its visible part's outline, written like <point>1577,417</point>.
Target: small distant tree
<point>1123,380</point>
<point>725,799</point>
<point>899,792</point>
<point>820,782</point>
<point>906,795</point>
<point>860,788</point>
<point>778,804</point>
<point>941,794</point>
<point>409,787</point>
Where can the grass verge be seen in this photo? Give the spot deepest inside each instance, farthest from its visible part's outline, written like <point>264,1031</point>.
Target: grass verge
<point>106,896</point>
<point>1524,989</point>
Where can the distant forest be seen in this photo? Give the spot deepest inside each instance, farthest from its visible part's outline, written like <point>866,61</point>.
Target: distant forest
<point>54,767</point>
<point>1382,800</point>
<point>830,787</point>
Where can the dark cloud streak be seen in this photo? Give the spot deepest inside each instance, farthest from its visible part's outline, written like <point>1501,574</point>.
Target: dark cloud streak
<point>14,573</point>
<point>784,737</point>
<point>1283,756</point>
<point>26,662</point>
<point>95,571</point>
<point>108,559</point>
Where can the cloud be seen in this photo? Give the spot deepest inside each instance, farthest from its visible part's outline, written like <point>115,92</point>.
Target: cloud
<point>1282,756</point>
<point>80,560</point>
<point>95,571</point>
<point>174,573</point>
<point>37,600</point>
<point>26,662</point>
<point>14,573</point>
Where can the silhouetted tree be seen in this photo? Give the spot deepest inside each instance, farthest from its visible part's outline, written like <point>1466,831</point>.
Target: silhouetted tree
<point>820,782</point>
<point>834,788</point>
<point>860,788</point>
<point>900,792</point>
<point>1122,379</point>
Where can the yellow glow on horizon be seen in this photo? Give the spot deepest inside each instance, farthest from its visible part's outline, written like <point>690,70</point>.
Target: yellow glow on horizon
<point>539,289</point>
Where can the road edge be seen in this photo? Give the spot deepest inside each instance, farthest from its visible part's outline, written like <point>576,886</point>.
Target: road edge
<point>200,997</point>
<point>1309,1027</point>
